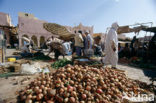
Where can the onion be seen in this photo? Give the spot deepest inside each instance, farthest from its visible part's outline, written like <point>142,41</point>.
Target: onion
<point>61,90</point>
<point>84,96</point>
<point>39,96</point>
<point>72,99</point>
<point>45,92</point>
<point>28,101</point>
<point>88,88</point>
<point>71,82</point>
<point>69,69</point>
<point>79,84</point>
<point>48,82</point>
<point>66,100</point>
<point>99,91</point>
<point>74,94</point>
<point>70,88</point>
<point>52,92</point>
<point>42,87</point>
<point>39,82</point>
<point>50,101</point>
<point>36,88</point>
<point>29,96</point>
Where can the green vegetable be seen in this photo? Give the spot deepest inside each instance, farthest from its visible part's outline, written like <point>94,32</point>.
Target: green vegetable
<point>41,56</point>
<point>61,63</point>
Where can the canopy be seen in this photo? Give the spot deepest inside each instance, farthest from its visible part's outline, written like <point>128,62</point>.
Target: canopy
<point>152,29</point>
<point>57,29</point>
<point>127,29</point>
<point>123,29</point>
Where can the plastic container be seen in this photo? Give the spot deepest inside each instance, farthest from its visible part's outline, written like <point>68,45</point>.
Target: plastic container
<point>11,59</point>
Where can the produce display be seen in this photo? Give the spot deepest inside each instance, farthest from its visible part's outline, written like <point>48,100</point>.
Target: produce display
<point>79,84</point>
<point>61,63</point>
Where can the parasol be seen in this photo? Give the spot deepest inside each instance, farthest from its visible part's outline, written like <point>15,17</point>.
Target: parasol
<point>59,30</point>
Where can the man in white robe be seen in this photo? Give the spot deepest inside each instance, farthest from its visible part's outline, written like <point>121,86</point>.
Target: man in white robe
<point>111,46</point>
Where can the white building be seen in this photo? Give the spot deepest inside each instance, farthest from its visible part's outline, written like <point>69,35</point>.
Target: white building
<point>32,28</point>
<point>5,27</point>
<point>80,27</point>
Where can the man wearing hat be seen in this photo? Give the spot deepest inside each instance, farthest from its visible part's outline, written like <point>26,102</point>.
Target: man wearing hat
<point>88,44</point>
<point>26,50</point>
<point>89,40</point>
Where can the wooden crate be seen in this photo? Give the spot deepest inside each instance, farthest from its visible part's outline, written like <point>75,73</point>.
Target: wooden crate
<point>16,67</point>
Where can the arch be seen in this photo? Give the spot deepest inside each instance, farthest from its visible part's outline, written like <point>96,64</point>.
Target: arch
<point>25,35</point>
<point>34,39</point>
<point>42,40</point>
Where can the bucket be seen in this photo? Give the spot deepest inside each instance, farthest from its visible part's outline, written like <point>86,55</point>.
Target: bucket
<point>11,59</point>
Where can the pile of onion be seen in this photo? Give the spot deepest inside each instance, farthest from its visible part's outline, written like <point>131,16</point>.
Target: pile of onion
<point>79,84</point>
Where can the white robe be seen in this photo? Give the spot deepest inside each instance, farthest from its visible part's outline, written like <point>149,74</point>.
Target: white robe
<point>111,38</point>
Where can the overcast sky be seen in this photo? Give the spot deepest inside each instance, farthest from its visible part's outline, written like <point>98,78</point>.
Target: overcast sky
<point>99,13</point>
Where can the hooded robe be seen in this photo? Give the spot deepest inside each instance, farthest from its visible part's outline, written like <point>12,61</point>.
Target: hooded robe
<point>110,44</point>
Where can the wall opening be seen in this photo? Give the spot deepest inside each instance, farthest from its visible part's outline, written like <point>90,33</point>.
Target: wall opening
<point>24,41</point>
<point>34,39</point>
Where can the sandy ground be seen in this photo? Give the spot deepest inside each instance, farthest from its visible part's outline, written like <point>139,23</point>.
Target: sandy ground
<point>144,75</point>
<point>10,86</point>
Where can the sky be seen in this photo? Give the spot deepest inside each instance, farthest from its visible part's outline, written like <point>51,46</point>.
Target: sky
<point>98,13</point>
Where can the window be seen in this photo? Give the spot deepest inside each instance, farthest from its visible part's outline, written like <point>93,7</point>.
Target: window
<point>26,14</point>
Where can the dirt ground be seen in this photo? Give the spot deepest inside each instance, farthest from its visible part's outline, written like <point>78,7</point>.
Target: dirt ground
<point>144,75</point>
<point>10,86</point>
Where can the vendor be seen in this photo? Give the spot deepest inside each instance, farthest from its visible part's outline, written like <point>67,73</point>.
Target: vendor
<point>97,46</point>
<point>97,50</point>
<point>26,51</point>
<point>79,43</point>
<point>66,48</point>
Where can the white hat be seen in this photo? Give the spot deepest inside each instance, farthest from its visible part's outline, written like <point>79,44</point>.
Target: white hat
<point>115,25</point>
<point>87,31</point>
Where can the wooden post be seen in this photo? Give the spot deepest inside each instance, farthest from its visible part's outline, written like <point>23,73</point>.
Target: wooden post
<point>1,55</point>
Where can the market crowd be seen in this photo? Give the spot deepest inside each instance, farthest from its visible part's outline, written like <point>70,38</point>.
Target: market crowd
<point>83,44</point>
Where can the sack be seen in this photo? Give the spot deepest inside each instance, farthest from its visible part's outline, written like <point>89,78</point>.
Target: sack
<point>30,69</point>
<point>27,69</point>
